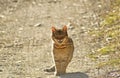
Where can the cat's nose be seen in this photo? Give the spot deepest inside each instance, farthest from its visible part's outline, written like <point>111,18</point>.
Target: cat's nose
<point>60,41</point>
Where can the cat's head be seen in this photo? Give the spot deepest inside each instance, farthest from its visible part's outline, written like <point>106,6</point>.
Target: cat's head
<point>59,34</point>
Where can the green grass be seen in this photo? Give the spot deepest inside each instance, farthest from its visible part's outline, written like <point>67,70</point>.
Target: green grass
<point>108,34</point>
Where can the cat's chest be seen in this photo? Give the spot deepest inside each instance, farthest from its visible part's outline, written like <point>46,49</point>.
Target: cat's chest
<point>61,50</point>
<point>61,53</point>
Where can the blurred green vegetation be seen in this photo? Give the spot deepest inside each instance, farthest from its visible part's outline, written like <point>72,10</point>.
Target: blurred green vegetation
<point>108,36</point>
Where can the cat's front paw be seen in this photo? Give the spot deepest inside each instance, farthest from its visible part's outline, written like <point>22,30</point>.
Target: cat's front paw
<point>57,74</point>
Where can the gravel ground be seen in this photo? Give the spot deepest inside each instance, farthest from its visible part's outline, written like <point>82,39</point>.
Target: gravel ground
<point>25,36</point>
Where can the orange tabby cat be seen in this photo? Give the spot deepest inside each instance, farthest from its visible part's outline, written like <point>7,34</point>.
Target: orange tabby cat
<point>62,50</point>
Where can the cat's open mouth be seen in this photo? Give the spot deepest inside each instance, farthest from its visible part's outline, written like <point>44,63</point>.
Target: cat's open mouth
<point>60,41</point>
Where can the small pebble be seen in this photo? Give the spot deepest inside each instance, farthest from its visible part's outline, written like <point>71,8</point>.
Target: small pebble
<point>38,25</point>
<point>1,70</point>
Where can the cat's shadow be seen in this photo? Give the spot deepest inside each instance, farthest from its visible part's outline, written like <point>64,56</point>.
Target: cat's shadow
<point>74,75</point>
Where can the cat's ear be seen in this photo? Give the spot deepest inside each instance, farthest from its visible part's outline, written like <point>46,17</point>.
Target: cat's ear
<point>53,29</point>
<point>65,28</point>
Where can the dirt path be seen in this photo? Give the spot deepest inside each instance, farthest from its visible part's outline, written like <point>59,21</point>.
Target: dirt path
<point>25,29</point>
